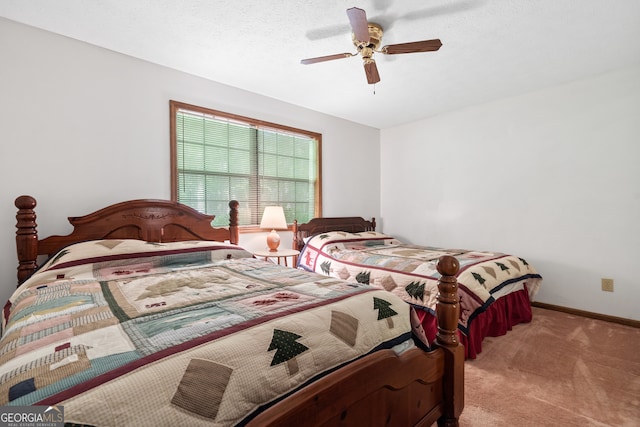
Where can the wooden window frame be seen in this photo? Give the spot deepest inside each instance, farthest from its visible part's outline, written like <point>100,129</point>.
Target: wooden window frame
<point>174,106</point>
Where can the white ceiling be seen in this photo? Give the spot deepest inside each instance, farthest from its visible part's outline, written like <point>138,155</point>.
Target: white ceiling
<point>491,48</point>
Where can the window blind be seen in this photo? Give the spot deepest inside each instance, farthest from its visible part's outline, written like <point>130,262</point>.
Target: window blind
<point>219,159</point>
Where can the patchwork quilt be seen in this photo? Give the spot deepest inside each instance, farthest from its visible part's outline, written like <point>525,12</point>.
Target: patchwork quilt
<point>409,271</point>
<point>125,332</point>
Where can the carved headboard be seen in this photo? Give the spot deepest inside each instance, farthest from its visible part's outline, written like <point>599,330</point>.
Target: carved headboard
<point>144,219</point>
<point>351,224</point>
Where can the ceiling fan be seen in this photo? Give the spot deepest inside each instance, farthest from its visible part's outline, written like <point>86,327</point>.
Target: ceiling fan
<point>366,37</point>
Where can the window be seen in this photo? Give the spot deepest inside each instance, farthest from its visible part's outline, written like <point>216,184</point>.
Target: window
<point>217,157</point>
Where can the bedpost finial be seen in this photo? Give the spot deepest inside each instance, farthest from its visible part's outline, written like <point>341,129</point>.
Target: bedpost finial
<point>25,202</point>
<point>234,231</point>
<point>26,237</point>
<point>448,265</point>
<point>448,305</point>
<point>233,212</point>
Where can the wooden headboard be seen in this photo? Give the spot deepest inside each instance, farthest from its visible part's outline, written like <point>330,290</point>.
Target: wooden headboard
<point>144,219</point>
<point>351,224</point>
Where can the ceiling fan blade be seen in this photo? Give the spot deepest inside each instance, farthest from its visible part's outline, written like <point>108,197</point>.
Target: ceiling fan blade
<point>371,70</point>
<point>421,46</point>
<point>359,24</point>
<point>325,58</point>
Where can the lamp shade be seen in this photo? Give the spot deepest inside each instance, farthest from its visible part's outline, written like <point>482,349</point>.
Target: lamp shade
<point>273,218</point>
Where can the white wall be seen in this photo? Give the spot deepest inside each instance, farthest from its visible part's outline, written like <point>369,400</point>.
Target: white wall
<point>551,176</point>
<point>83,127</point>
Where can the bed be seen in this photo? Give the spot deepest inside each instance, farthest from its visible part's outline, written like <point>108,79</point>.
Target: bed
<point>146,315</point>
<point>495,289</point>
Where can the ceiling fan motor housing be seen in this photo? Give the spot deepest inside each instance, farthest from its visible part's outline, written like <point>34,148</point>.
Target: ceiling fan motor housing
<point>366,48</point>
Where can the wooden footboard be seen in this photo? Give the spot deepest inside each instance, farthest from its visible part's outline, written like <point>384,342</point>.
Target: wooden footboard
<point>382,389</point>
<point>415,388</point>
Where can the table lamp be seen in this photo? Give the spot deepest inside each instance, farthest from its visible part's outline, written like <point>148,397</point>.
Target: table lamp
<point>273,218</point>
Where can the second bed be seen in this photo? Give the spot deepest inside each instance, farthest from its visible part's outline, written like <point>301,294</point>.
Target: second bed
<point>495,289</point>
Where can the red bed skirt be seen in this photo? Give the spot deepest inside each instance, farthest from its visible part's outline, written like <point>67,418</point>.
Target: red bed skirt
<point>495,321</point>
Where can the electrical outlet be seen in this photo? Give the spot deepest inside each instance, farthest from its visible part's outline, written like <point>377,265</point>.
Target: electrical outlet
<point>607,285</point>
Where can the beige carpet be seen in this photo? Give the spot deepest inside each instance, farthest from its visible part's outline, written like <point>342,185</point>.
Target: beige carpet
<point>558,370</point>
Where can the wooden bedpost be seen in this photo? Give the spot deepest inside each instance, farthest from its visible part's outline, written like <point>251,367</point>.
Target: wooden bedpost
<point>234,231</point>
<point>448,312</point>
<point>26,237</point>
<point>296,244</point>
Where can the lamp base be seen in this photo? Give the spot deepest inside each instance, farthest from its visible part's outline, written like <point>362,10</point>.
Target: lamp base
<point>273,241</point>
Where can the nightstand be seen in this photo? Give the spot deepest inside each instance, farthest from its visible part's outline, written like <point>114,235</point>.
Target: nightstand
<point>279,254</point>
